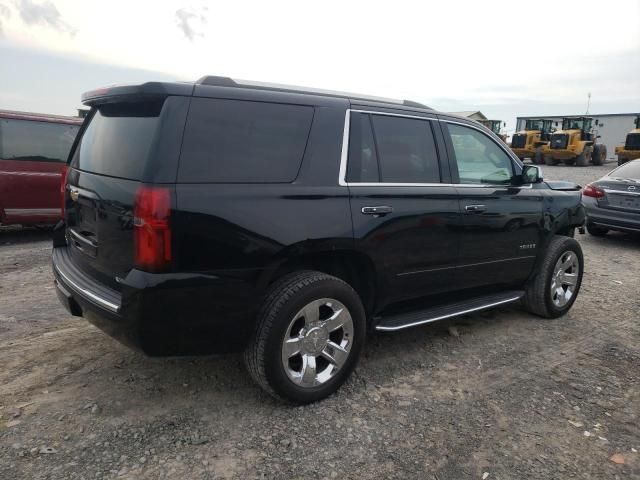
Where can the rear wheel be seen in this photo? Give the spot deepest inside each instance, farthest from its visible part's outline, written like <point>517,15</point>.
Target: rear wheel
<point>596,231</point>
<point>310,332</point>
<point>549,160</point>
<point>553,290</point>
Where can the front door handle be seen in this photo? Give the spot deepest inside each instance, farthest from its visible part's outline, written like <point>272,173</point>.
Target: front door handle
<point>379,210</point>
<point>475,208</point>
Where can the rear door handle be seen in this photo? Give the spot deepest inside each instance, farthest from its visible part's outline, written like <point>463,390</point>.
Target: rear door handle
<point>475,208</point>
<point>379,210</point>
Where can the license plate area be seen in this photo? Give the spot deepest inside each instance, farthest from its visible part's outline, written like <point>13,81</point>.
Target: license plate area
<point>627,202</point>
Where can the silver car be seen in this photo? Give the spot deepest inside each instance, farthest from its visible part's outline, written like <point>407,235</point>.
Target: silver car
<point>613,201</point>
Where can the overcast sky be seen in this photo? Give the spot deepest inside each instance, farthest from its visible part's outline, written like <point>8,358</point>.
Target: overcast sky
<point>504,58</point>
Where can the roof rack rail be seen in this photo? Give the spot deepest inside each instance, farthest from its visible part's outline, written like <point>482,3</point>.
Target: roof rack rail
<point>218,81</point>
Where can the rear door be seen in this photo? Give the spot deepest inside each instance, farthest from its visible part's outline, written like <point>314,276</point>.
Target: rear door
<point>32,158</point>
<point>501,223</point>
<point>123,145</point>
<point>404,213</point>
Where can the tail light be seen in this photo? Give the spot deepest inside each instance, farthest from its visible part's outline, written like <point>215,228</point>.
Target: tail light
<point>590,190</point>
<point>152,232</point>
<point>63,185</point>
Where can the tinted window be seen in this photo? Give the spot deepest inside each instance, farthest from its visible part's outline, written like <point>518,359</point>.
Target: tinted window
<point>118,139</point>
<point>406,150</point>
<point>478,157</point>
<point>42,141</point>
<point>243,142</point>
<point>363,161</point>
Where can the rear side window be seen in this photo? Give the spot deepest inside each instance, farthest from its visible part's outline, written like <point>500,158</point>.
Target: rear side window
<point>363,159</point>
<point>391,149</point>
<point>406,149</point>
<point>232,141</point>
<point>118,139</point>
<point>36,141</point>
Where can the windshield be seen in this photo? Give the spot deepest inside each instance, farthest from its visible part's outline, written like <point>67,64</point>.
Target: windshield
<point>629,170</point>
<point>534,125</point>
<point>493,125</point>
<point>576,124</point>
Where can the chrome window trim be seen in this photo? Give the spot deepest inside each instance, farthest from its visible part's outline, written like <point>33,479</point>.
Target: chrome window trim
<point>344,154</point>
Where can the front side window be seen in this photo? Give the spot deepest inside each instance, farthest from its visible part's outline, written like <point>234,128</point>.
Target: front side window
<point>479,159</point>
<point>36,141</point>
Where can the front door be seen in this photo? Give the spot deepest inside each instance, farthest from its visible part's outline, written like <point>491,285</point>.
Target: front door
<point>405,211</point>
<point>501,223</point>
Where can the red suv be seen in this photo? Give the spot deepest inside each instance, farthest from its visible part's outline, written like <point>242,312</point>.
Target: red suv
<point>33,155</point>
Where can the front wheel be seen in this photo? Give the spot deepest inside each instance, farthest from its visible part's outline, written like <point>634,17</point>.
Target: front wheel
<point>622,161</point>
<point>553,290</point>
<point>309,335</point>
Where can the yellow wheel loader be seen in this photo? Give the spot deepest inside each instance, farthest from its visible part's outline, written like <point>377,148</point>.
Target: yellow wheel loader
<point>575,144</point>
<point>631,148</point>
<point>494,126</point>
<point>533,140</point>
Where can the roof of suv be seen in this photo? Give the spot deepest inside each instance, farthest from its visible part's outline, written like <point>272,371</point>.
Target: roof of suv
<point>112,93</point>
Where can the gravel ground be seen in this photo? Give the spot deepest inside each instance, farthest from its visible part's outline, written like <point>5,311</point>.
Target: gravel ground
<point>497,395</point>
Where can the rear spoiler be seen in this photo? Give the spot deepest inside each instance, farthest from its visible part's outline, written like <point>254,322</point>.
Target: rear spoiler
<point>120,93</point>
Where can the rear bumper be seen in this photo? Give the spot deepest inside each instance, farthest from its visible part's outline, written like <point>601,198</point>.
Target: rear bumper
<point>161,314</point>
<point>610,218</point>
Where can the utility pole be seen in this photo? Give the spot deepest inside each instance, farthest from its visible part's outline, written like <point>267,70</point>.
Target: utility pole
<point>588,102</point>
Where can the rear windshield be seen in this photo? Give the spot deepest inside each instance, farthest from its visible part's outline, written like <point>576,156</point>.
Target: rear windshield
<point>243,142</point>
<point>36,141</point>
<point>118,139</point>
<point>629,170</point>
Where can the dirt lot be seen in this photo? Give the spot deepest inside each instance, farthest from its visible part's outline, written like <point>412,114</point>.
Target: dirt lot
<point>498,395</point>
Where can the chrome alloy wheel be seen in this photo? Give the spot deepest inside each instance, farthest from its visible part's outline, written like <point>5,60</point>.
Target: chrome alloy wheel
<point>564,279</point>
<point>317,342</point>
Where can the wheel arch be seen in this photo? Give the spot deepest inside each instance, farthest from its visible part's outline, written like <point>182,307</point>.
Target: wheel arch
<point>354,267</point>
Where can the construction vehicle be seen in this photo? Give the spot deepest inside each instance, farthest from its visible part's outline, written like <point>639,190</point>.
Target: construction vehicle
<point>495,126</point>
<point>631,148</point>
<point>575,144</point>
<point>533,140</point>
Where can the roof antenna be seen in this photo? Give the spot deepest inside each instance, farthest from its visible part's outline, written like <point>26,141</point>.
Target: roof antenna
<point>588,102</point>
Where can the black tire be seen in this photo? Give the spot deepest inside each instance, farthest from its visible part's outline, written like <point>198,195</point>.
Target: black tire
<point>549,160</point>
<point>584,158</point>
<point>569,161</point>
<point>538,158</point>
<point>537,298</point>
<point>596,231</point>
<point>263,356</point>
<point>599,154</point>
<point>622,160</point>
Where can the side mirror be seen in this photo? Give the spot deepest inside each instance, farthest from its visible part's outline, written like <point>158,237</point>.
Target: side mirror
<point>531,174</point>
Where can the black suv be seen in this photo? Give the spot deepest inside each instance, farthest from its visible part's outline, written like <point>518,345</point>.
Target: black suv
<point>224,215</point>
